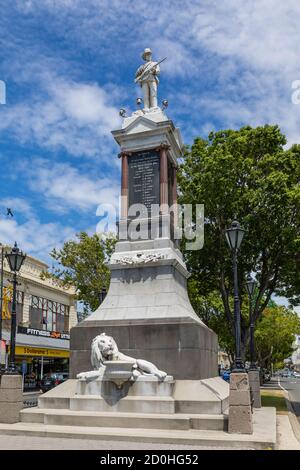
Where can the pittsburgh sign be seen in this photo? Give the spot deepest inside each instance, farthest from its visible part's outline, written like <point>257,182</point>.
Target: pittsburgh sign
<point>48,334</point>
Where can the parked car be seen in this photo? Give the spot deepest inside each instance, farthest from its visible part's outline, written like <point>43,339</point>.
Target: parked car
<point>286,373</point>
<point>297,374</point>
<point>50,380</point>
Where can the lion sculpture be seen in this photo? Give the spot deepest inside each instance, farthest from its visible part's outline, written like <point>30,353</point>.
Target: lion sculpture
<point>104,348</point>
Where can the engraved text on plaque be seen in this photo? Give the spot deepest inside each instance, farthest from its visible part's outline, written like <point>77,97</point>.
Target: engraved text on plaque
<point>144,178</point>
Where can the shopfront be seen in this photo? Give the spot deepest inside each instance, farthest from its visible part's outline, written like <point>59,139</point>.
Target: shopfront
<point>45,314</point>
<point>39,352</point>
<point>34,363</point>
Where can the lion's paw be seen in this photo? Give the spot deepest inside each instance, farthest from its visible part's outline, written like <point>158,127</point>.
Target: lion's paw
<point>81,376</point>
<point>161,374</point>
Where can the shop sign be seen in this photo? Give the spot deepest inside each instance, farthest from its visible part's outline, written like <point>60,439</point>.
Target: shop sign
<point>46,352</point>
<point>48,334</point>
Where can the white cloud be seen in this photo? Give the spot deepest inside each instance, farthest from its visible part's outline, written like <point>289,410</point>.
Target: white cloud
<point>262,33</point>
<point>63,185</point>
<point>87,104</point>
<point>284,301</point>
<point>76,117</point>
<point>206,43</point>
<point>34,237</point>
<point>180,61</point>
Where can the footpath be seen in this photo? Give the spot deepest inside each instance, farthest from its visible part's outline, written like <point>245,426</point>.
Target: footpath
<point>288,426</point>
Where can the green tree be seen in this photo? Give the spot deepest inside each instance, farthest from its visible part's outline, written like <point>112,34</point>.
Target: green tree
<point>210,309</point>
<point>82,263</point>
<point>274,335</point>
<point>245,174</point>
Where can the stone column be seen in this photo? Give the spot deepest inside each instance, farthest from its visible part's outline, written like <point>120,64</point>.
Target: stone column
<point>164,177</point>
<point>163,187</point>
<point>123,235</point>
<point>174,188</point>
<point>240,413</point>
<point>11,398</point>
<point>255,387</point>
<point>174,196</point>
<point>124,185</point>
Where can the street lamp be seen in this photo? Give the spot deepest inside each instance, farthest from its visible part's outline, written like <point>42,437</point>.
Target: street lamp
<point>250,287</point>
<point>234,236</point>
<point>102,294</point>
<point>15,260</point>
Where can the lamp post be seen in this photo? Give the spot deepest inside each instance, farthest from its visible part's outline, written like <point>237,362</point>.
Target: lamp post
<point>15,260</point>
<point>234,236</point>
<point>250,287</point>
<point>102,295</point>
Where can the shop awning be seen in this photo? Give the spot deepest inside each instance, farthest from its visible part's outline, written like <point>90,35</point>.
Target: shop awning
<point>38,341</point>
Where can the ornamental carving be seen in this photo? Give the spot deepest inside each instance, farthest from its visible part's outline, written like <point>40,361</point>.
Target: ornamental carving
<point>140,258</point>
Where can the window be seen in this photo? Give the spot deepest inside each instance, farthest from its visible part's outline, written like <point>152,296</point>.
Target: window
<point>48,315</point>
<point>36,313</point>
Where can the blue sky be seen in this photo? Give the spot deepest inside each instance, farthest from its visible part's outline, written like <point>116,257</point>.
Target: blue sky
<point>69,65</point>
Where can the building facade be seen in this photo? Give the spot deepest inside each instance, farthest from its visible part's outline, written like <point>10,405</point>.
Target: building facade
<point>296,354</point>
<point>45,314</point>
<point>223,360</point>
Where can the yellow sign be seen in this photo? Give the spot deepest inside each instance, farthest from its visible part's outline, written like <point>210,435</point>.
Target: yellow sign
<point>30,351</point>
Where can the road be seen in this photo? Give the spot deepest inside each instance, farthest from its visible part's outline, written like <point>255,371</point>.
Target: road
<point>292,385</point>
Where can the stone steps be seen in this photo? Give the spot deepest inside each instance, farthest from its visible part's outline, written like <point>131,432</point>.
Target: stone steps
<point>126,420</point>
<point>263,437</point>
<point>209,396</point>
<point>128,404</point>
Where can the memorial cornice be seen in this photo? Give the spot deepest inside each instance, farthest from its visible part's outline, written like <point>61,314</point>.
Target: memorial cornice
<point>124,154</point>
<point>163,146</point>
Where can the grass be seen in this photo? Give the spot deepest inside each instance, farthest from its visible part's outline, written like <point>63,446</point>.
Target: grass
<point>274,398</point>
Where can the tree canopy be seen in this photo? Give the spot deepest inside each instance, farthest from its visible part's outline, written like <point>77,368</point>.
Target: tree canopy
<point>274,335</point>
<point>245,174</point>
<point>82,263</point>
<point>274,331</point>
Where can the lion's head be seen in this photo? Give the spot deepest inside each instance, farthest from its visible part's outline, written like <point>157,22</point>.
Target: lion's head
<point>104,348</point>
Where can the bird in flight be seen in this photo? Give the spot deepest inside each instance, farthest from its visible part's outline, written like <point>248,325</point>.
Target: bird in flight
<point>9,212</point>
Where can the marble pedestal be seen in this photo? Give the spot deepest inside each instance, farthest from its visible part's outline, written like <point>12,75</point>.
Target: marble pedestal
<point>183,348</point>
<point>148,313</point>
<point>146,394</point>
<point>134,396</point>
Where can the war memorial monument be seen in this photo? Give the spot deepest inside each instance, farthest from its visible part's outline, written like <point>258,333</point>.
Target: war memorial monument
<point>143,366</point>
<point>147,309</point>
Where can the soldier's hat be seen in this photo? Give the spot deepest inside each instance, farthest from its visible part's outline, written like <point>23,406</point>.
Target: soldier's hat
<point>146,51</point>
